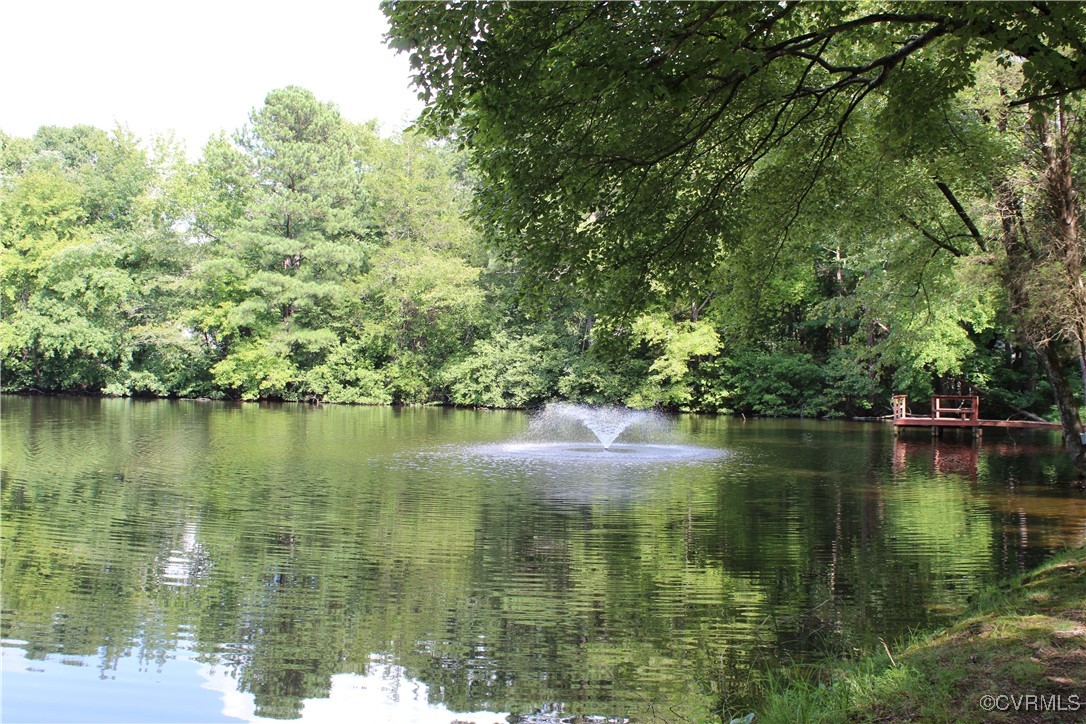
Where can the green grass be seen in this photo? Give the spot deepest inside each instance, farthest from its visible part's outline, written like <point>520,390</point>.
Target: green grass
<point>1026,637</point>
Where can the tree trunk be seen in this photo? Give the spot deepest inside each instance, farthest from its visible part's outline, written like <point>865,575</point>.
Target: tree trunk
<point>1056,372</point>
<point>1064,247</point>
<point>1048,309</point>
<point>1082,363</point>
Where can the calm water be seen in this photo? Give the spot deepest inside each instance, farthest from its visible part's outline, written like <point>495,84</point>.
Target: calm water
<point>204,562</point>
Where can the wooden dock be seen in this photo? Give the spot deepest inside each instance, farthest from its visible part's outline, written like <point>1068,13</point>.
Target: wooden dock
<point>957,411</point>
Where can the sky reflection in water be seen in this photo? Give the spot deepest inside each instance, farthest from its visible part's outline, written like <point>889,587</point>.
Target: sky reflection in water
<point>168,693</point>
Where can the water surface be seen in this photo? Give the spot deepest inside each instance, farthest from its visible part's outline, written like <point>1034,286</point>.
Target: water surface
<point>191,561</point>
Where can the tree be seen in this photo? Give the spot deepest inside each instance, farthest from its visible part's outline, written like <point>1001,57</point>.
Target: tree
<point>301,156</point>
<point>289,233</point>
<point>337,265</point>
<point>90,265</point>
<point>1040,217</point>
<point>625,148</point>
<point>424,304</point>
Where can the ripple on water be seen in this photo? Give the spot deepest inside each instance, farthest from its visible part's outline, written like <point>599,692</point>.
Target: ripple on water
<point>286,546</point>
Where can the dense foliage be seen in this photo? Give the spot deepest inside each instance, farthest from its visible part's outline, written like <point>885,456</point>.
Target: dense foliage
<point>307,258</point>
<point>856,190</point>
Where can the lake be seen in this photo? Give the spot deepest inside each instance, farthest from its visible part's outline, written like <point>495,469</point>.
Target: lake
<point>184,561</point>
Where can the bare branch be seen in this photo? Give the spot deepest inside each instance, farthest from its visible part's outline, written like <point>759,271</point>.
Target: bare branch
<point>960,210</point>
<point>932,237</point>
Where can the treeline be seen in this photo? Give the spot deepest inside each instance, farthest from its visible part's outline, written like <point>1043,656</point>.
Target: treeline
<point>307,258</point>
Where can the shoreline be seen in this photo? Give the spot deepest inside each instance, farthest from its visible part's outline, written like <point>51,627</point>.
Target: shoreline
<point>1017,654</point>
<point>434,403</point>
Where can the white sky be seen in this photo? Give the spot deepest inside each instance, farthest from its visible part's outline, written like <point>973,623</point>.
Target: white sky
<point>194,67</point>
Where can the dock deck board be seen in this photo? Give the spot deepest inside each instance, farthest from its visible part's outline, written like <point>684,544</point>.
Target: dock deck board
<point>916,421</point>
<point>958,411</point>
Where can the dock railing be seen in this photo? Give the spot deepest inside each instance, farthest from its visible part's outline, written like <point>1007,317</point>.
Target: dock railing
<point>955,407</point>
<point>943,407</point>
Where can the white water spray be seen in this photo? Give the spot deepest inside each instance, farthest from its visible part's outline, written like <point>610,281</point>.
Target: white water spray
<point>606,423</point>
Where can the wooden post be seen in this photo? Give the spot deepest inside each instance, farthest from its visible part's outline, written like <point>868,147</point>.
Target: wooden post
<point>900,406</point>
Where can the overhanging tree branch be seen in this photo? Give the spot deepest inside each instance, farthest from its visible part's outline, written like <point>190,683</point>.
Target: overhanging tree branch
<point>962,214</point>
<point>947,246</point>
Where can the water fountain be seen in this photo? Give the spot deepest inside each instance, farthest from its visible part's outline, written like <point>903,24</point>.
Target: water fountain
<point>565,432</point>
<point>563,419</point>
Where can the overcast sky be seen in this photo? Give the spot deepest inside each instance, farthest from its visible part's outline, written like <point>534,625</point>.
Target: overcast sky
<point>192,66</point>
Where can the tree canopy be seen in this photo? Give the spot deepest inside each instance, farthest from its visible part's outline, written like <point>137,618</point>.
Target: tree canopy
<point>691,152</point>
<point>305,257</point>
<point>619,140</point>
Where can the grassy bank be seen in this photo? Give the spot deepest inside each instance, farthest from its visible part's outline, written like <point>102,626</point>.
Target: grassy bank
<point>1018,655</point>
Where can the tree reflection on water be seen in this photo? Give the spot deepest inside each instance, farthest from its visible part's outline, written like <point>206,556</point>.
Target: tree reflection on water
<point>302,555</point>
